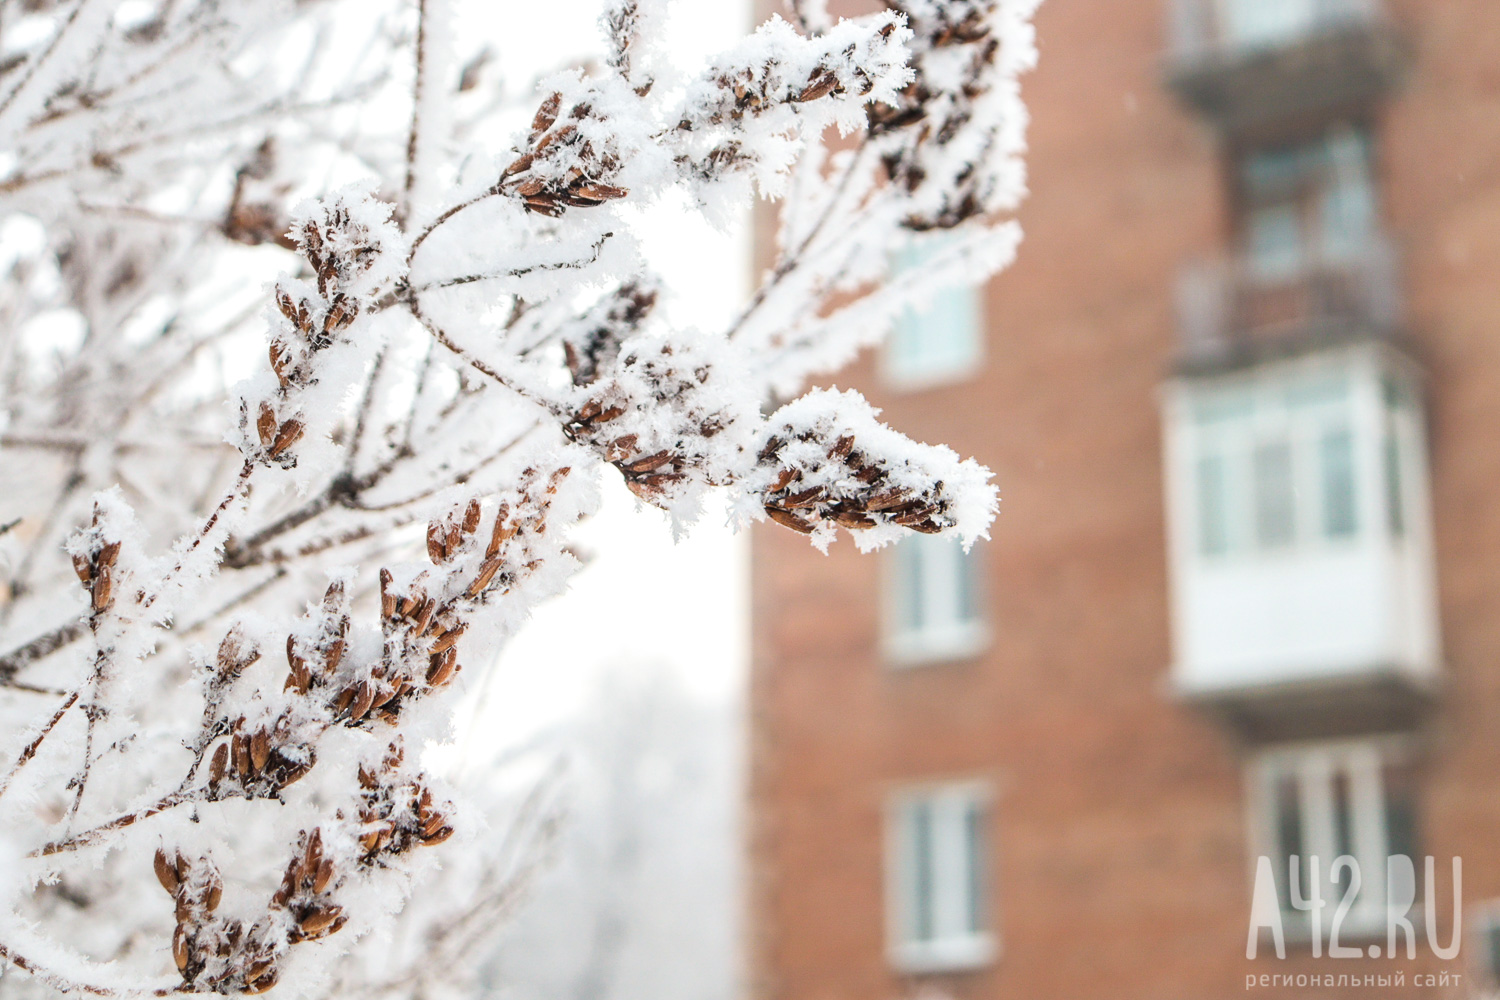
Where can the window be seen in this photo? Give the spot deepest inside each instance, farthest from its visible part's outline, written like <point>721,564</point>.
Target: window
<point>1328,801</point>
<point>1276,466</point>
<point>1308,204</point>
<point>1254,23</point>
<point>1487,945</point>
<point>938,342</point>
<point>933,598</point>
<point>939,918</point>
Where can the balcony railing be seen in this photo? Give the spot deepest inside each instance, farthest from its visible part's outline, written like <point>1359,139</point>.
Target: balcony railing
<point>1248,64</point>
<point>1213,30</point>
<point>1228,309</point>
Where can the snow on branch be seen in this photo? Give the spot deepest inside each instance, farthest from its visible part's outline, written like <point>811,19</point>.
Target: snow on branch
<point>285,464</point>
<point>826,462</point>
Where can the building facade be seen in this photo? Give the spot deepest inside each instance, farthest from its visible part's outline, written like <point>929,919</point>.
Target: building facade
<point>1241,393</point>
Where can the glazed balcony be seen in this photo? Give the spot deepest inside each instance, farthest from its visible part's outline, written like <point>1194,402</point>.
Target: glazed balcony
<point>1249,64</point>
<point>1303,588</point>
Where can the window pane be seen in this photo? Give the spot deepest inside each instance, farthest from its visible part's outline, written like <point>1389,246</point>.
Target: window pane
<point>1213,505</point>
<point>1395,499</point>
<point>974,867</point>
<point>1401,813</point>
<point>942,336</point>
<point>1274,242</point>
<point>1288,823</point>
<point>922,882</point>
<point>1267,22</point>
<point>1275,503</point>
<point>910,582</point>
<point>1491,959</point>
<point>1348,218</point>
<point>1339,516</point>
<point>967,567</point>
<point>1343,829</point>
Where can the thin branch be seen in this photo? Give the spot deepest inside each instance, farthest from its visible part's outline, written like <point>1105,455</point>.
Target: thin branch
<point>31,748</point>
<point>64,984</point>
<point>92,836</point>
<point>561,265</point>
<point>790,262</point>
<point>42,646</point>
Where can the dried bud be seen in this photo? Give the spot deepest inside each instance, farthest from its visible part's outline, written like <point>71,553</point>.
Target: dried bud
<point>166,873</point>
<point>218,764</point>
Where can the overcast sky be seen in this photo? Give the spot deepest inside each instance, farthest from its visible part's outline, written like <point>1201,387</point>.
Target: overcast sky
<point>642,597</point>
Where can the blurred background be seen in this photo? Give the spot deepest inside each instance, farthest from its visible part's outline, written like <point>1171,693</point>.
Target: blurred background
<point>1242,600</point>
<point>1240,609</point>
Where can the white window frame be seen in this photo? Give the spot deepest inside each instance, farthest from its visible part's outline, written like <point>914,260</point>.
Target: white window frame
<point>954,946</point>
<point>910,371</point>
<point>940,637</point>
<point>1484,929</point>
<point>1269,420</point>
<point>1315,765</point>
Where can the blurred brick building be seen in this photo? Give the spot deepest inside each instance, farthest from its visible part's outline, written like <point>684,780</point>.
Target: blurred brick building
<point>1241,394</point>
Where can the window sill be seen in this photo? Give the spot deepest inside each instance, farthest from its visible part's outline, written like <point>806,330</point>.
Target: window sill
<point>937,378</point>
<point>951,955</point>
<point>1360,926</point>
<point>920,649</point>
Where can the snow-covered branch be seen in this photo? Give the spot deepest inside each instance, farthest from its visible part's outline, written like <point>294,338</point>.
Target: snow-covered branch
<point>256,525</point>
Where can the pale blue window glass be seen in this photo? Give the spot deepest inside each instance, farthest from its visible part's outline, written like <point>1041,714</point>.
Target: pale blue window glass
<point>923,901</point>
<point>1262,23</point>
<point>974,867</point>
<point>1275,501</point>
<point>1348,204</point>
<point>941,339</point>
<point>1275,242</point>
<point>1340,509</point>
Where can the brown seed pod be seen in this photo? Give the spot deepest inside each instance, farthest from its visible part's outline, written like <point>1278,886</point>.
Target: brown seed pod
<point>442,669</point>
<point>261,976</point>
<point>787,519</point>
<point>501,532</point>
<point>364,697</point>
<point>312,854</point>
<point>448,638</point>
<point>166,873</point>
<point>424,616</point>
<point>487,572</point>
<point>387,599</point>
<point>240,750</point>
<point>296,773</point>
<point>180,953</point>
<point>319,920</point>
<point>265,425</point>
<point>323,876</point>
<point>102,590</point>
<point>288,435</point>
<point>335,654</point>
<point>217,765</point>
<point>260,749</point>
